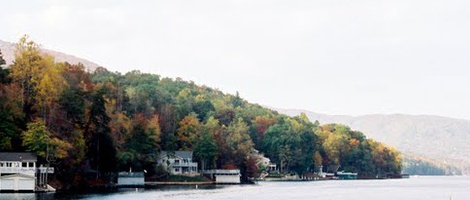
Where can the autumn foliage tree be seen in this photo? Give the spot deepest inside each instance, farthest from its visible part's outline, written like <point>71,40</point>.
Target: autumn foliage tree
<point>189,128</point>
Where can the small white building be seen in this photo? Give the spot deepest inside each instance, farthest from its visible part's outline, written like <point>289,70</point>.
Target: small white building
<point>224,176</point>
<point>17,171</point>
<point>178,162</point>
<point>131,179</point>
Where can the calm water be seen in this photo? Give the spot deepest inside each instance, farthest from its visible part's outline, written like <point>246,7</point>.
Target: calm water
<point>415,188</point>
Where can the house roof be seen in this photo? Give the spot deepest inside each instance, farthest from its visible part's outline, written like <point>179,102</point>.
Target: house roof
<point>181,154</point>
<point>17,156</point>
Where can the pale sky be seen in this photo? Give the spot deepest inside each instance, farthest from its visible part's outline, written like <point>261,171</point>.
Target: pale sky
<point>349,57</point>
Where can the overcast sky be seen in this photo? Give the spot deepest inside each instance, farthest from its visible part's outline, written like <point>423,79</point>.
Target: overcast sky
<point>348,57</point>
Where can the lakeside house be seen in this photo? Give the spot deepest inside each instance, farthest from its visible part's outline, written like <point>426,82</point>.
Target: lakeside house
<point>178,162</point>
<point>19,173</point>
<point>267,164</point>
<point>264,162</point>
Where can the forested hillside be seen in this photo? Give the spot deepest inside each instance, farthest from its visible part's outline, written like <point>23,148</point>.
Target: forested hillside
<point>91,125</point>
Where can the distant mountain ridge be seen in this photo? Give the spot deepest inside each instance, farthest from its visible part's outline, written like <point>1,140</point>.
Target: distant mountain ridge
<point>442,139</point>
<point>8,51</point>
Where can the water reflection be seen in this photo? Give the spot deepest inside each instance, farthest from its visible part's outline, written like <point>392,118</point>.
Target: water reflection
<point>98,195</point>
<point>404,189</point>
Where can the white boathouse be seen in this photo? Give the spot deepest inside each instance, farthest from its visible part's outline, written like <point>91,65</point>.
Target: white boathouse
<point>19,173</point>
<point>131,179</point>
<point>224,176</point>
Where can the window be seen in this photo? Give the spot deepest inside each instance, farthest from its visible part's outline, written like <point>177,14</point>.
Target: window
<point>24,164</point>
<point>1,164</point>
<point>177,169</point>
<point>177,161</point>
<point>31,164</point>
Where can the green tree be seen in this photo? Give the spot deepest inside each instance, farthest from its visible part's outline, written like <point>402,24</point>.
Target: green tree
<point>317,160</point>
<point>101,149</point>
<point>39,140</point>
<point>169,140</point>
<point>205,148</point>
<point>11,118</point>
<point>259,127</point>
<point>203,108</point>
<point>141,146</point>
<point>2,61</point>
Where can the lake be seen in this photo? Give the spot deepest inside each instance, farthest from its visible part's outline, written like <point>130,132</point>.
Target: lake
<point>415,188</point>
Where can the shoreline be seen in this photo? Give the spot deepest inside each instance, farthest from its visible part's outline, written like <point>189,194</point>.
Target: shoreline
<point>151,183</point>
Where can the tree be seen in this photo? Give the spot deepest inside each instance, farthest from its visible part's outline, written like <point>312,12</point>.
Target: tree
<point>120,125</point>
<point>202,109</point>
<point>184,102</point>
<point>38,76</point>
<point>25,71</point>
<point>236,100</point>
<point>207,145</point>
<point>101,149</point>
<point>241,146</point>
<point>189,128</point>
<point>50,85</point>
<point>167,121</point>
<point>205,148</point>
<point>317,160</point>
<point>39,140</point>
<point>260,126</point>
<point>238,138</point>
<point>2,61</point>
<point>141,145</point>
<point>11,118</point>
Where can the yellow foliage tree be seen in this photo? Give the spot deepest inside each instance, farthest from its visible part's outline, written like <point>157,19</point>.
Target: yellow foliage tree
<point>38,76</point>
<point>189,129</point>
<point>39,140</point>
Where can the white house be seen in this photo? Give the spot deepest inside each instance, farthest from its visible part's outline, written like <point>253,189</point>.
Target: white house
<point>178,162</point>
<point>17,171</point>
<point>264,161</point>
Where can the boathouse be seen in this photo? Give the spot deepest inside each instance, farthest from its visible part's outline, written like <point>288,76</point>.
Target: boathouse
<point>224,176</point>
<point>346,175</point>
<point>17,172</point>
<point>131,179</point>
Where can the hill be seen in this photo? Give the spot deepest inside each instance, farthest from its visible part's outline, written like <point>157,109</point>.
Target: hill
<point>443,140</point>
<point>91,125</point>
<point>8,51</point>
